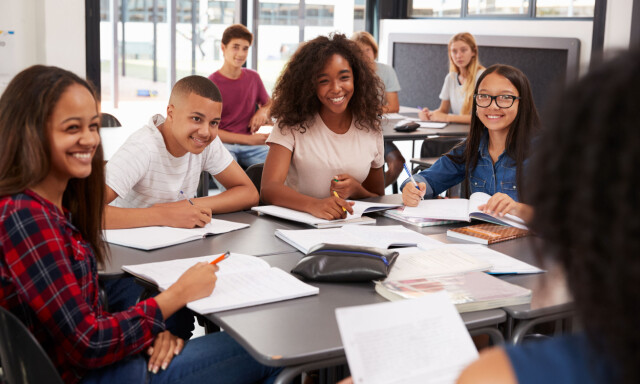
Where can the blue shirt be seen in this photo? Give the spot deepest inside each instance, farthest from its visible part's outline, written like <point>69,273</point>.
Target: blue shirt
<point>486,177</point>
<point>566,359</point>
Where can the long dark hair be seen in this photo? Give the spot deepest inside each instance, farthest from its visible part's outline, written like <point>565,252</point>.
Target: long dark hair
<point>25,157</point>
<point>586,194</point>
<point>522,130</point>
<point>294,97</point>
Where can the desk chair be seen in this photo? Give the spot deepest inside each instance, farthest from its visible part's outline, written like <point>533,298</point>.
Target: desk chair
<point>108,120</point>
<point>23,359</point>
<point>255,174</point>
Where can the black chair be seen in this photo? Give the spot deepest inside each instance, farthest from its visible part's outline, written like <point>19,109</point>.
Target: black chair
<point>108,120</point>
<point>23,359</point>
<point>255,174</point>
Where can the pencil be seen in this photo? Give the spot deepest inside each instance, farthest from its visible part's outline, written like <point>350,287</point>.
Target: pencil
<point>336,195</point>
<point>220,258</point>
<point>411,176</point>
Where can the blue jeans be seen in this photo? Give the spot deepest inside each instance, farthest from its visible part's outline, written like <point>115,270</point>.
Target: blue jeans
<point>247,155</point>
<point>213,358</point>
<point>123,294</point>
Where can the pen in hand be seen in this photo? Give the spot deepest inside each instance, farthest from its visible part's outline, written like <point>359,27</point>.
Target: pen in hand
<point>411,176</point>
<point>336,195</point>
<point>188,199</point>
<point>220,258</point>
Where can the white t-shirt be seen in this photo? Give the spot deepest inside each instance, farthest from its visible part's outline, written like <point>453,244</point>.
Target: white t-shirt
<point>319,154</point>
<point>453,91</point>
<point>143,172</point>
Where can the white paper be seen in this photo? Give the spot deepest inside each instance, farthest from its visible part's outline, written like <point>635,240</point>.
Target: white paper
<point>243,281</point>
<point>404,109</point>
<point>435,260</point>
<point>445,209</point>
<point>432,124</point>
<point>148,238</point>
<point>411,341</point>
<point>501,263</point>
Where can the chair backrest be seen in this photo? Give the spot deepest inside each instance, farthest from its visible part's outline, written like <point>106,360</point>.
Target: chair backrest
<point>108,120</point>
<point>438,146</point>
<point>23,359</point>
<point>255,174</point>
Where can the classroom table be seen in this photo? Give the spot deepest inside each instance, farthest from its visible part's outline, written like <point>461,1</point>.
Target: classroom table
<point>257,240</point>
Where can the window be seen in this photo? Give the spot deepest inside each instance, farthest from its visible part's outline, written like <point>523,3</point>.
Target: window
<point>501,8</point>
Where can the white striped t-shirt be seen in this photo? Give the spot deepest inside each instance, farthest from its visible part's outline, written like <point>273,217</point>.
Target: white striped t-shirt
<point>143,172</point>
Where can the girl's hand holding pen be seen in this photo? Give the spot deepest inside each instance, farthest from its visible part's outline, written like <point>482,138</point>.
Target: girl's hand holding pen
<point>330,208</point>
<point>345,185</point>
<point>411,196</point>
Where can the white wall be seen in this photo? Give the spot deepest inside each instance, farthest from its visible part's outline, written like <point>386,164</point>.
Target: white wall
<point>49,32</point>
<point>617,29</point>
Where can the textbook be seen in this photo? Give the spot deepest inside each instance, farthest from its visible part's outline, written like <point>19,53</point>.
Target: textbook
<point>366,236</point>
<point>243,281</point>
<point>487,233</point>
<point>359,208</point>
<point>148,238</point>
<point>472,291</point>
<point>411,341</point>
<point>397,214</point>
<point>461,210</point>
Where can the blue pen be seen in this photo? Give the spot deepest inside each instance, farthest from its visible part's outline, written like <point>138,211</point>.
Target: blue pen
<point>411,176</point>
<point>188,199</point>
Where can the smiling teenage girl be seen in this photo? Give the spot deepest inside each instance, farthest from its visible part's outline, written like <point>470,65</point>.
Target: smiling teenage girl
<point>51,205</point>
<point>457,91</point>
<point>494,156</point>
<point>328,137</point>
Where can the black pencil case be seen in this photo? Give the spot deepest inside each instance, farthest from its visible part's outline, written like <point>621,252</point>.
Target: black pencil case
<point>345,263</point>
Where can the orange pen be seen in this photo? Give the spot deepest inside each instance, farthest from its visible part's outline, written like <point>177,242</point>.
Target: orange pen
<point>220,258</point>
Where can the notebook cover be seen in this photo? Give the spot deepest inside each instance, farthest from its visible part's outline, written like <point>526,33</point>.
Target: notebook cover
<point>491,233</point>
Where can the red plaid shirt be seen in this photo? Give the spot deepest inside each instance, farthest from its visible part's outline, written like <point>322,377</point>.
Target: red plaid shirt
<point>48,278</point>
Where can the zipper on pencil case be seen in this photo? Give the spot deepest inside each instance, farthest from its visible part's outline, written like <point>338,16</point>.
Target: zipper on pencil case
<point>384,259</point>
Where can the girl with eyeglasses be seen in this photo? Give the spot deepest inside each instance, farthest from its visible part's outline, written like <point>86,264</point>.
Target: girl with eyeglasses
<point>493,158</point>
<point>457,90</point>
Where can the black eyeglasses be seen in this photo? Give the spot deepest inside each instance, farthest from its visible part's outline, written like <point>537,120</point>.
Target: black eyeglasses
<point>502,101</point>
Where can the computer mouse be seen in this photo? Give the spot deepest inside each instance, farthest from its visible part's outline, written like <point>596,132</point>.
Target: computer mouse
<point>408,127</point>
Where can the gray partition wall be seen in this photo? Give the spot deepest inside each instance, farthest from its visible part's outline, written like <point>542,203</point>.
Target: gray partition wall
<point>421,63</point>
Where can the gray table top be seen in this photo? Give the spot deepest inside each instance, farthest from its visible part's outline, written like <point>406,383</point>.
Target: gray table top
<point>452,129</point>
<point>303,330</point>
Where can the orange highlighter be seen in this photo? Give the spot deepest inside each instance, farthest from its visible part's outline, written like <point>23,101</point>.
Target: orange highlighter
<point>220,258</point>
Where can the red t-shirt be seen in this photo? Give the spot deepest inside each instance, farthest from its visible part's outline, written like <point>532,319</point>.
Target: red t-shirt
<point>240,99</point>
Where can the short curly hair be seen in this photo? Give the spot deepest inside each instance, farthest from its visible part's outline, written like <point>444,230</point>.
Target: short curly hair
<point>585,191</point>
<point>294,98</point>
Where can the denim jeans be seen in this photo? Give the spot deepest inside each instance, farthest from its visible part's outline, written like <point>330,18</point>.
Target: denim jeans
<point>213,358</point>
<point>245,155</point>
<point>123,294</point>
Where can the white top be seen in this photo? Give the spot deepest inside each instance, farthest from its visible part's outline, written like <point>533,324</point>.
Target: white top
<point>453,91</point>
<point>143,172</point>
<point>319,154</point>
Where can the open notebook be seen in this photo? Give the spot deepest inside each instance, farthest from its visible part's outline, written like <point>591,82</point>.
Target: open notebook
<point>148,238</point>
<point>243,281</point>
<point>462,210</point>
<point>359,208</point>
<point>366,236</point>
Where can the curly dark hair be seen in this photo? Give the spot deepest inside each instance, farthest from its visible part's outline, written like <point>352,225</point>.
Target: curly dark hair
<point>294,97</point>
<point>523,129</point>
<point>586,194</point>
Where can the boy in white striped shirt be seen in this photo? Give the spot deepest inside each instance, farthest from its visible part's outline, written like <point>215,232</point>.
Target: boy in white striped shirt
<point>152,176</point>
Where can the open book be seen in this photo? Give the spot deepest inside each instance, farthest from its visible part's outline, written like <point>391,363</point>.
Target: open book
<point>397,214</point>
<point>413,341</point>
<point>462,210</point>
<point>359,208</point>
<point>366,236</point>
<point>243,281</point>
<point>472,291</point>
<point>148,238</point>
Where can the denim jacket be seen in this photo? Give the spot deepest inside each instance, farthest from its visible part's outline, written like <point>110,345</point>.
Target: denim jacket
<point>485,177</point>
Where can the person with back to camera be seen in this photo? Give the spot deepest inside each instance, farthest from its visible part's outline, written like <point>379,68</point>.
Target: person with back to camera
<point>585,193</point>
<point>457,90</point>
<point>51,209</point>
<point>392,156</point>
<point>327,143</point>
<point>494,157</point>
